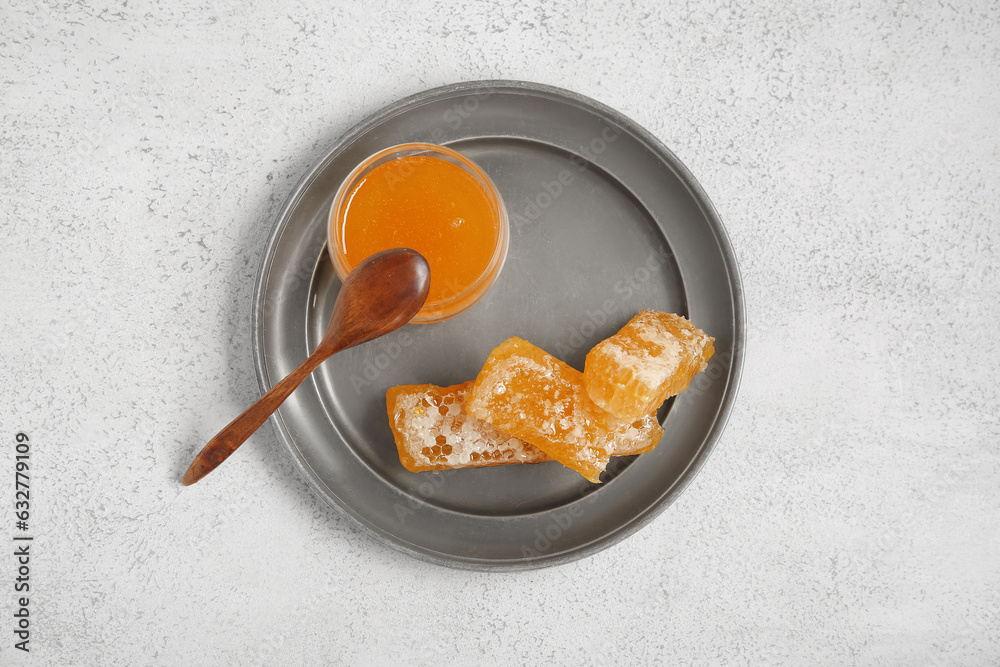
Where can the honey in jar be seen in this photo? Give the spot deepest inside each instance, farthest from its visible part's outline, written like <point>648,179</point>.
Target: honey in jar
<point>435,201</point>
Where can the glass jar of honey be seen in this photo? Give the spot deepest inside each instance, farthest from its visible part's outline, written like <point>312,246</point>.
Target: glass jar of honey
<point>431,199</point>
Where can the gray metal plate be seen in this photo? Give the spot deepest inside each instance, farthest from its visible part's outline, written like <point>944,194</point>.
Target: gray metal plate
<point>605,221</point>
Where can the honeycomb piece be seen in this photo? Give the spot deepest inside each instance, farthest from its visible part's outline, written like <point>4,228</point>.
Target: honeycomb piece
<point>524,391</point>
<point>637,437</point>
<point>433,431</point>
<point>652,358</point>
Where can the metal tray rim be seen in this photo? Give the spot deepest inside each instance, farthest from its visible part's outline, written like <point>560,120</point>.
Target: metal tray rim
<point>739,328</point>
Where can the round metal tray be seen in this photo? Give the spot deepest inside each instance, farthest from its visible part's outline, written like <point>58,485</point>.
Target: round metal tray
<point>605,221</point>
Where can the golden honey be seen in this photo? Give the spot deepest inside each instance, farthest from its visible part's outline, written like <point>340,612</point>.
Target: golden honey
<point>526,392</point>
<point>430,199</point>
<point>650,359</point>
<point>433,431</point>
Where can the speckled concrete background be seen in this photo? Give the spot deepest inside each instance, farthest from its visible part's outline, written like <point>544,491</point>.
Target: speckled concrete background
<point>850,514</point>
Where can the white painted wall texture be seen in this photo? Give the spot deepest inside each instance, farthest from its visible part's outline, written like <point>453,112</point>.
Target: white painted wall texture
<point>849,515</point>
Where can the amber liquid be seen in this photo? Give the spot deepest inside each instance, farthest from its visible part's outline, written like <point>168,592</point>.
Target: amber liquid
<point>430,205</point>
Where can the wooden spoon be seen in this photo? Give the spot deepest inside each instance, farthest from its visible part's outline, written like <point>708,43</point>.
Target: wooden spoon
<point>380,295</point>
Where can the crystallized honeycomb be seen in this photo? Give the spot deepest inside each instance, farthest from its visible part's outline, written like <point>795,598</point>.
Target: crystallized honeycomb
<point>433,431</point>
<point>636,437</point>
<point>652,358</point>
<point>524,391</point>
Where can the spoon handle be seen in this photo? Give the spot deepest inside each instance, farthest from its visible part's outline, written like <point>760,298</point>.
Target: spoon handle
<point>235,434</point>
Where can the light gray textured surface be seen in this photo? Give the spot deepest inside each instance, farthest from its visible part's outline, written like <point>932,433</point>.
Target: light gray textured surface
<point>851,513</point>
